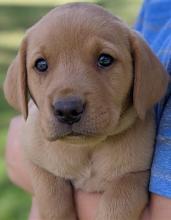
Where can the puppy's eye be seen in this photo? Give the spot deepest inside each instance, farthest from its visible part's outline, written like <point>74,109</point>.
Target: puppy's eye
<point>41,65</point>
<point>105,60</point>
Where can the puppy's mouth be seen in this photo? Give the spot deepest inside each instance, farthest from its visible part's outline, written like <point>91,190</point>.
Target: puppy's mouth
<point>78,138</point>
<point>74,134</point>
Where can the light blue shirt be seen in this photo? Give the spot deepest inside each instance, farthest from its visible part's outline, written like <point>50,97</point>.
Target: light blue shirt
<point>154,23</point>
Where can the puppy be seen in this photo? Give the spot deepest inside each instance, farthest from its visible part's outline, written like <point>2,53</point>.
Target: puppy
<point>93,82</point>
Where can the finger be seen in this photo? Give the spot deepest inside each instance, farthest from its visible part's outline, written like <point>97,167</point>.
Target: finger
<point>15,162</point>
<point>86,204</point>
<point>34,213</point>
<point>145,215</point>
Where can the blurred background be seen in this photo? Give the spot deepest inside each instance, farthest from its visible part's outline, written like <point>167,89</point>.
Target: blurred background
<point>15,17</point>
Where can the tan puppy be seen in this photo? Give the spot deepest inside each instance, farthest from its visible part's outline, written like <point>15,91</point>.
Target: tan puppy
<point>94,83</point>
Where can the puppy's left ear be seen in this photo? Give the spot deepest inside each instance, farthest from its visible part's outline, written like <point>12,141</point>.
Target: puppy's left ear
<point>15,85</point>
<point>150,77</point>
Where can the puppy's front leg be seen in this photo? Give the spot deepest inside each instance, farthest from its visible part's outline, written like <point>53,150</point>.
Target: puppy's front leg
<point>124,199</point>
<point>53,194</point>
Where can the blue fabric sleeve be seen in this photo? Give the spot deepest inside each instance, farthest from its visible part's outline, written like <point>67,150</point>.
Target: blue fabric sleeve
<point>160,182</point>
<point>140,19</point>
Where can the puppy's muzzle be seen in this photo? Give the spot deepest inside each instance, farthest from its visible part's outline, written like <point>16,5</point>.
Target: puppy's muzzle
<point>69,110</point>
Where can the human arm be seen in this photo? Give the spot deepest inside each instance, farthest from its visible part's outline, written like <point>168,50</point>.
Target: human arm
<point>153,23</point>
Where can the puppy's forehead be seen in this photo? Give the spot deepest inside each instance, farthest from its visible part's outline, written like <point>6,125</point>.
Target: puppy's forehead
<point>77,22</point>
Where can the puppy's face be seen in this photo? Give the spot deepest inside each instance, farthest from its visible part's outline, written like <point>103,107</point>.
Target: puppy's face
<point>79,70</point>
<point>86,73</point>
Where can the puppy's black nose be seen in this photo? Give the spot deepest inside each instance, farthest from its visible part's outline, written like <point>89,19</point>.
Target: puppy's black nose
<point>69,110</point>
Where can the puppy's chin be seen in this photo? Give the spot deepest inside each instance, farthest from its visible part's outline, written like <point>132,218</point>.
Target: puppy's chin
<point>71,134</point>
<point>70,137</point>
<point>82,141</point>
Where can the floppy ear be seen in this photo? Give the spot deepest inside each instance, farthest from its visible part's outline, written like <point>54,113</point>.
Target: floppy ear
<point>150,78</point>
<point>15,85</point>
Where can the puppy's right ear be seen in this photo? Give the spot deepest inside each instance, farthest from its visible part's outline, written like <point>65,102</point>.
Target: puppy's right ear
<point>150,77</point>
<point>15,85</point>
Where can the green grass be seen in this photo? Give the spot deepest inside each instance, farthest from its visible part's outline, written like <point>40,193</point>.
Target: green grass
<point>15,17</point>
<point>39,2</point>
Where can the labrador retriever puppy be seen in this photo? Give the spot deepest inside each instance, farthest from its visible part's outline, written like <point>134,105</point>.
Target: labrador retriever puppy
<point>93,82</point>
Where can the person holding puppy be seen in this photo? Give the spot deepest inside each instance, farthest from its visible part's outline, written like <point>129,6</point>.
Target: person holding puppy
<point>153,23</point>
